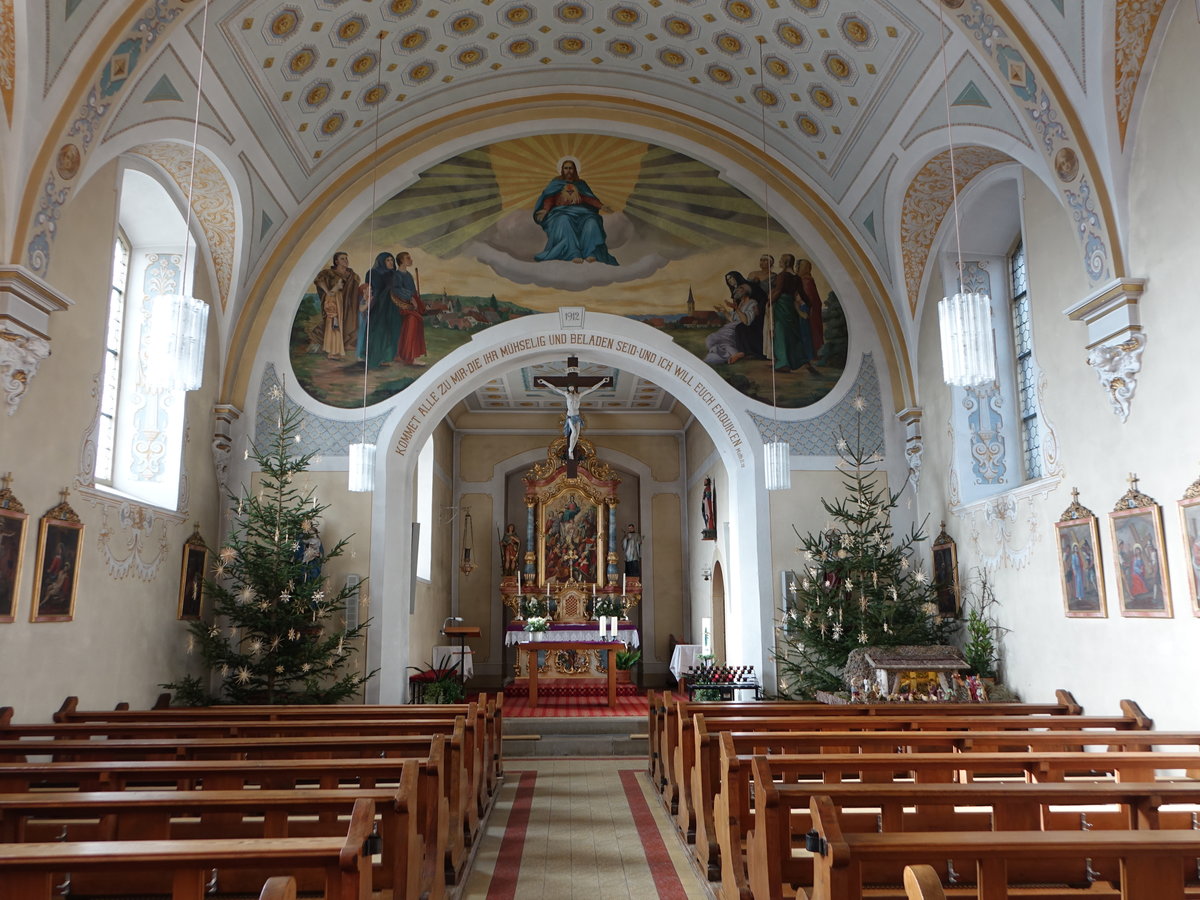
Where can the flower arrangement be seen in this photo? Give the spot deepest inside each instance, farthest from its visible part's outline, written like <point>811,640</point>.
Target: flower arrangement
<point>607,605</point>
<point>532,606</point>
<point>537,623</point>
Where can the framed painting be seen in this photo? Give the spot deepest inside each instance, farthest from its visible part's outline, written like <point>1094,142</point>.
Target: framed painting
<point>56,574</point>
<point>13,522</point>
<point>191,578</point>
<point>572,529</point>
<point>1189,516</point>
<point>945,575</point>
<point>1137,533</point>
<point>1079,565</point>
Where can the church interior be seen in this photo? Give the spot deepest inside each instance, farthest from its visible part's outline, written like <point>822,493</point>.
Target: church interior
<point>592,300</point>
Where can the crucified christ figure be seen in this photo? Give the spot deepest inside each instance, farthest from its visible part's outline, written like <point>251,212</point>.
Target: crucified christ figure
<point>573,424</point>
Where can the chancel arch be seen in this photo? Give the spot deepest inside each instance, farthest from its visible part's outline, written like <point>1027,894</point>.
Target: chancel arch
<point>611,340</point>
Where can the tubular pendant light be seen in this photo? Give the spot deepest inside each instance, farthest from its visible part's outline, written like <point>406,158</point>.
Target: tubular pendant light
<point>964,319</point>
<point>179,322</point>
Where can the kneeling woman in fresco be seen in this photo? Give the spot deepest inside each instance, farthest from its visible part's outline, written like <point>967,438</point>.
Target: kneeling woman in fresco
<point>569,213</point>
<point>742,335</point>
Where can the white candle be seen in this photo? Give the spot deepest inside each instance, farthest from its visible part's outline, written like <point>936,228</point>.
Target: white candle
<point>622,585</point>
<point>600,625</point>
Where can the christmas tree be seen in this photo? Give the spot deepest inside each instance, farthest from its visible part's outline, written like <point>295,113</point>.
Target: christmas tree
<point>269,641</point>
<point>859,584</point>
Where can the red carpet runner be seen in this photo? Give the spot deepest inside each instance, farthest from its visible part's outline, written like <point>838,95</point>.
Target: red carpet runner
<point>518,707</point>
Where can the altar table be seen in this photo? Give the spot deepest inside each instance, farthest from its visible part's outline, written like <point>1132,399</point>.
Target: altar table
<point>532,648</point>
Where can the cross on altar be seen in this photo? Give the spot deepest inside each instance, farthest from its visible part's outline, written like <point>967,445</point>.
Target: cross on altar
<point>573,387</point>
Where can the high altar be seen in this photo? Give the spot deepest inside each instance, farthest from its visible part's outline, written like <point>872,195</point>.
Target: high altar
<point>570,566</point>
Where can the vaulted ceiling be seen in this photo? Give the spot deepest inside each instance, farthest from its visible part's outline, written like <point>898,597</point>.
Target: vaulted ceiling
<point>848,99</point>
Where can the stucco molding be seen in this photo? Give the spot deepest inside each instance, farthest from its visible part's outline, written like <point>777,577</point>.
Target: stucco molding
<point>1115,339</point>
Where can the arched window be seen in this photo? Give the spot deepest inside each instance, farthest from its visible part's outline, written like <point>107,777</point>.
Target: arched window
<point>110,379</point>
<point>997,427</point>
<point>139,434</point>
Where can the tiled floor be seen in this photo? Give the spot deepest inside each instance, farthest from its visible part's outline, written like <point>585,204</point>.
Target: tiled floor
<point>581,828</point>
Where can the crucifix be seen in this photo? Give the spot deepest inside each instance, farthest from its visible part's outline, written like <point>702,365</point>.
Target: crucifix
<point>569,386</point>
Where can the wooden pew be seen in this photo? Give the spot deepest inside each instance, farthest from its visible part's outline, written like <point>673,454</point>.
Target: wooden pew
<point>905,717</point>
<point>288,737</point>
<point>463,767</point>
<point>440,763</point>
<point>899,807</point>
<point>279,887</point>
<point>31,871</point>
<point>665,712</point>
<point>489,708</point>
<point>1151,864</point>
<point>710,774</point>
<point>411,863</point>
<point>734,818</point>
<point>920,883</point>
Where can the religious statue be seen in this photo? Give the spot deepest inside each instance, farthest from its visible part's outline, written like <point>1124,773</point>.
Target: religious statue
<point>631,546</point>
<point>708,510</point>
<point>510,550</point>
<point>569,213</point>
<point>573,424</point>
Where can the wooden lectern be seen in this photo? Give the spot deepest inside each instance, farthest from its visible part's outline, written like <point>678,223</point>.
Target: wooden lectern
<point>462,632</point>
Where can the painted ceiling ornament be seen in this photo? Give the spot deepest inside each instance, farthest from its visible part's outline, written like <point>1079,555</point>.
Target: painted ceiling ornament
<point>1117,366</point>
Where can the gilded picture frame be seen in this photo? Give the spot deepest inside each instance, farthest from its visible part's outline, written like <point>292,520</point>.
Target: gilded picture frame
<point>191,577</point>
<point>14,522</point>
<point>1080,566</point>
<point>56,573</point>
<point>1140,561</point>
<point>1189,522</point>
<point>945,575</point>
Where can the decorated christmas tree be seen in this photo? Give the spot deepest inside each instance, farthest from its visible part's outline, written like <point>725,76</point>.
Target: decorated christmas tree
<point>274,638</point>
<point>859,584</point>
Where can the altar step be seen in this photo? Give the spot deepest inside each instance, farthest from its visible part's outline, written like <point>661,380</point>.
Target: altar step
<point>579,736</point>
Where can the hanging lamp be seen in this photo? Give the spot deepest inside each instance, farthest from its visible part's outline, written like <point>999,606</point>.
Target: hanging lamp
<point>178,322</point>
<point>777,453</point>
<point>964,319</point>
<point>362,454</point>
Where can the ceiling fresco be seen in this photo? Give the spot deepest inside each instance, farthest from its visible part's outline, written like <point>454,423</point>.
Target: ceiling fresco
<point>534,224</point>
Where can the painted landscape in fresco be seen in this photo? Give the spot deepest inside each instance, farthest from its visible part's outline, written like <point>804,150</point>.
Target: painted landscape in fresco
<point>529,225</point>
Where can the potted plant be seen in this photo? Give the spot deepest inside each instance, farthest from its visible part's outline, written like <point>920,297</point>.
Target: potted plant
<point>626,660</point>
<point>436,685</point>
<point>537,626</point>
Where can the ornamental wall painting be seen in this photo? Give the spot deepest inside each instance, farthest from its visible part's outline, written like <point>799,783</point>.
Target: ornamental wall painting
<point>530,225</point>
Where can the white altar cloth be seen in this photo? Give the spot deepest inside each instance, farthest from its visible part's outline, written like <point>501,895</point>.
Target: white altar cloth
<point>449,655</point>
<point>626,631</point>
<point>683,658</point>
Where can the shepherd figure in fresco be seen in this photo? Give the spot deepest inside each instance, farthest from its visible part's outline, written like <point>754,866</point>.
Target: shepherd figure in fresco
<point>573,424</point>
<point>337,291</point>
<point>569,213</point>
